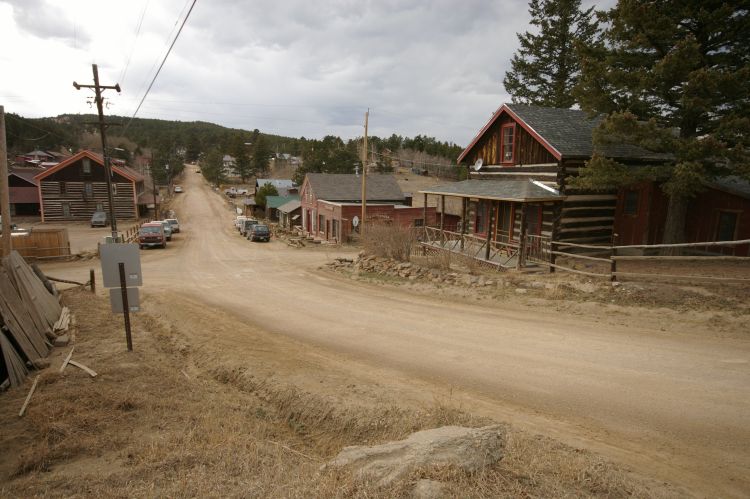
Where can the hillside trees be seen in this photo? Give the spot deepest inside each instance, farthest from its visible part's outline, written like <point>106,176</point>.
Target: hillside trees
<point>263,192</point>
<point>546,67</point>
<point>260,158</point>
<point>212,166</point>
<point>673,77</point>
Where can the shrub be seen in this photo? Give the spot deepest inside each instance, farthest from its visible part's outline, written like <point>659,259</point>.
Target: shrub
<point>389,241</point>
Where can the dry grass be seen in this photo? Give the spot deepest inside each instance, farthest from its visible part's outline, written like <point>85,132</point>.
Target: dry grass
<point>389,241</point>
<point>165,421</point>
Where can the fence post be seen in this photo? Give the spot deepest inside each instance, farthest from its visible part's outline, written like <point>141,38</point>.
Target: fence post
<point>92,279</point>
<point>613,265</point>
<point>552,257</point>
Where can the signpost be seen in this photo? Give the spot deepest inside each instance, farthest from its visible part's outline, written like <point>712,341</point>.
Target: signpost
<point>121,268</point>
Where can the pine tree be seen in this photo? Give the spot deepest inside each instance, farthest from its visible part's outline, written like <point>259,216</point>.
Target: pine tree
<point>673,77</point>
<point>545,69</point>
<point>242,163</point>
<point>261,155</point>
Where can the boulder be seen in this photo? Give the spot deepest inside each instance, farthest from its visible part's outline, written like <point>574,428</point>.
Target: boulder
<point>470,449</point>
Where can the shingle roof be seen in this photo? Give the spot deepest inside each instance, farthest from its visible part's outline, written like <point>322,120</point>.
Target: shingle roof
<point>290,206</point>
<point>279,183</point>
<point>570,132</point>
<point>276,201</point>
<point>504,190</point>
<point>733,185</point>
<point>348,187</point>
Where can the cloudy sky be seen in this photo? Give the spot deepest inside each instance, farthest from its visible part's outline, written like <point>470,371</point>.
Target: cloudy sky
<point>290,67</point>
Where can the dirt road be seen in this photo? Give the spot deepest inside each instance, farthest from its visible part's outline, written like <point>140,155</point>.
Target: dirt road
<point>668,404</point>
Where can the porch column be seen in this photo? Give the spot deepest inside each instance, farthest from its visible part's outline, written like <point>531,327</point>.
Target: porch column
<point>490,213</point>
<point>442,212</point>
<point>464,222</point>
<point>424,211</point>
<point>522,239</point>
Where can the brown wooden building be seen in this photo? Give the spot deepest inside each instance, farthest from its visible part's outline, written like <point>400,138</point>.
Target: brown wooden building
<point>23,191</point>
<point>76,188</point>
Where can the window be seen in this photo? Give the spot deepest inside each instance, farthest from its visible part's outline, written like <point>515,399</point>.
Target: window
<point>507,145</point>
<point>419,222</point>
<point>99,207</point>
<point>86,166</point>
<point>62,189</point>
<point>66,209</point>
<point>533,219</point>
<point>88,190</point>
<point>479,225</point>
<point>321,223</point>
<point>114,189</point>
<point>727,226</point>
<point>630,203</point>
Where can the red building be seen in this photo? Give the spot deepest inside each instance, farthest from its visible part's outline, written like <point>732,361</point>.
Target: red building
<point>23,191</point>
<point>332,205</point>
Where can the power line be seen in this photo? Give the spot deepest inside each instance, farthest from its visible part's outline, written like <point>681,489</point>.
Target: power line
<point>135,42</point>
<point>160,66</point>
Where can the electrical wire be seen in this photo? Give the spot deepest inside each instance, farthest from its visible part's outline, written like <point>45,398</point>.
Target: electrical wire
<point>135,42</point>
<point>160,67</point>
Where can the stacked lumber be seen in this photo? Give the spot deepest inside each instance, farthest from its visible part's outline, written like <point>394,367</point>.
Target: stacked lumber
<point>28,314</point>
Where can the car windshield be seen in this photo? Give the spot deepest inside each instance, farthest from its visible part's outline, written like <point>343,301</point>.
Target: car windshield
<point>260,228</point>
<point>173,221</point>
<point>150,230</point>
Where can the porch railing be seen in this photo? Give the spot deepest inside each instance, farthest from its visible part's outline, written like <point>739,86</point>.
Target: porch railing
<point>500,252</point>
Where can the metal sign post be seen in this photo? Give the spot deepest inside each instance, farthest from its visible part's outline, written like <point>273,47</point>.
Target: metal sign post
<point>121,267</point>
<point>125,307</point>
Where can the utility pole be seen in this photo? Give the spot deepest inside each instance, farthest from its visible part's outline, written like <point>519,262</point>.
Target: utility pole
<point>4,188</point>
<point>153,185</point>
<point>102,130</point>
<point>364,180</point>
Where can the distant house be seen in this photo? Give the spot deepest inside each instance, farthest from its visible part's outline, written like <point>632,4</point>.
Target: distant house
<point>331,205</point>
<point>228,163</point>
<point>290,214</point>
<point>75,188</point>
<point>283,186</point>
<point>274,202</point>
<point>23,191</point>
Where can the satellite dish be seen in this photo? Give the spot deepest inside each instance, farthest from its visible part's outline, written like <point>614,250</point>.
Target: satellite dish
<point>478,165</point>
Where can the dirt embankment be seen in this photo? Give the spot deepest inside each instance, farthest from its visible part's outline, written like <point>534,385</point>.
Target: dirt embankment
<point>180,418</point>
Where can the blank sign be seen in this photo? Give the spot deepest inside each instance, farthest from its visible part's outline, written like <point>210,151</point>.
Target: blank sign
<point>115,300</point>
<point>114,253</point>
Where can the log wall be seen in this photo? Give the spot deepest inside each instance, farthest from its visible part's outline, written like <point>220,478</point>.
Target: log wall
<point>83,206</point>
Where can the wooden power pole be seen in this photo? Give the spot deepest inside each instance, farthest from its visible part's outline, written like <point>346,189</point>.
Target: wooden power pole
<point>4,188</point>
<point>102,130</point>
<point>364,180</point>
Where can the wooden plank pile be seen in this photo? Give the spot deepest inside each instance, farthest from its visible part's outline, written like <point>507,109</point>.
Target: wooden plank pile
<point>30,317</point>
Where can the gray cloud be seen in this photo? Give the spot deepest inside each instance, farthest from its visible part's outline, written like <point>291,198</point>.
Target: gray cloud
<point>43,20</point>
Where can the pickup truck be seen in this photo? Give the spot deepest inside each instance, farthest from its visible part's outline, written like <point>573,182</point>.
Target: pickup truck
<point>247,225</point>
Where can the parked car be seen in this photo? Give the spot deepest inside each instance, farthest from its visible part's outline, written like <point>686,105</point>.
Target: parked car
<point>177,188</point>
<point>242,192</point>
<point>152,234</point>
<point>259,232</point>
<point>246,225</point>
<point>174,224</point>
<point>239,221</point>
<point>99,219</point>
<point>167,228</point>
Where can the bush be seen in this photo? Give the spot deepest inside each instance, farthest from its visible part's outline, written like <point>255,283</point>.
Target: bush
<point>389,241</point>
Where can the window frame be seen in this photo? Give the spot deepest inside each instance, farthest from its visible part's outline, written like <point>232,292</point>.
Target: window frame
<point>86,166</point>
<point>65,207</point>
<point>88,190</point>
<point>512,128</point>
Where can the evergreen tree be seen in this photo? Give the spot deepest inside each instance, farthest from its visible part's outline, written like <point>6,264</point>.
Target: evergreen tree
<point>212,166</point>
<point>261,155</point>
<point>545,69</point>
<point>263,192</point>
<point>242,164</point>
<point>673,77</point>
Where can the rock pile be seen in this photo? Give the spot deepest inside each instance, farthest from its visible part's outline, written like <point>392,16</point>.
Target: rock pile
<point>369,264</point>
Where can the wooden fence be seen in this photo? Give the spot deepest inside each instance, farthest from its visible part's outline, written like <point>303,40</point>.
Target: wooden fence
<point>703,261</point>
<point>608,261</point>
<point>41,243</point>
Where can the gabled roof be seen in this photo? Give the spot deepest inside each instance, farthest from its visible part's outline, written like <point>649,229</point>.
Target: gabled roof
<point>348,187</point>
<point>26,174</point>
<point>505,190</point>
<point>276,201</point>
<point>125,171</point>
<point>290,206</point>
<point>279,183</point>
<point>565,133</point>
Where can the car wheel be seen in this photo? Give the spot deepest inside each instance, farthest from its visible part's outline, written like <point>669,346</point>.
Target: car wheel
<point>164,246</point>
<point>140,246</point>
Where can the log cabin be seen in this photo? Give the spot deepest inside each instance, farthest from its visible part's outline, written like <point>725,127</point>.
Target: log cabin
<point>74,189</point>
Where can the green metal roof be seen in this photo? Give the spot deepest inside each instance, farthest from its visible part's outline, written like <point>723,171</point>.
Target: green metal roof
<point>276,201</point>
